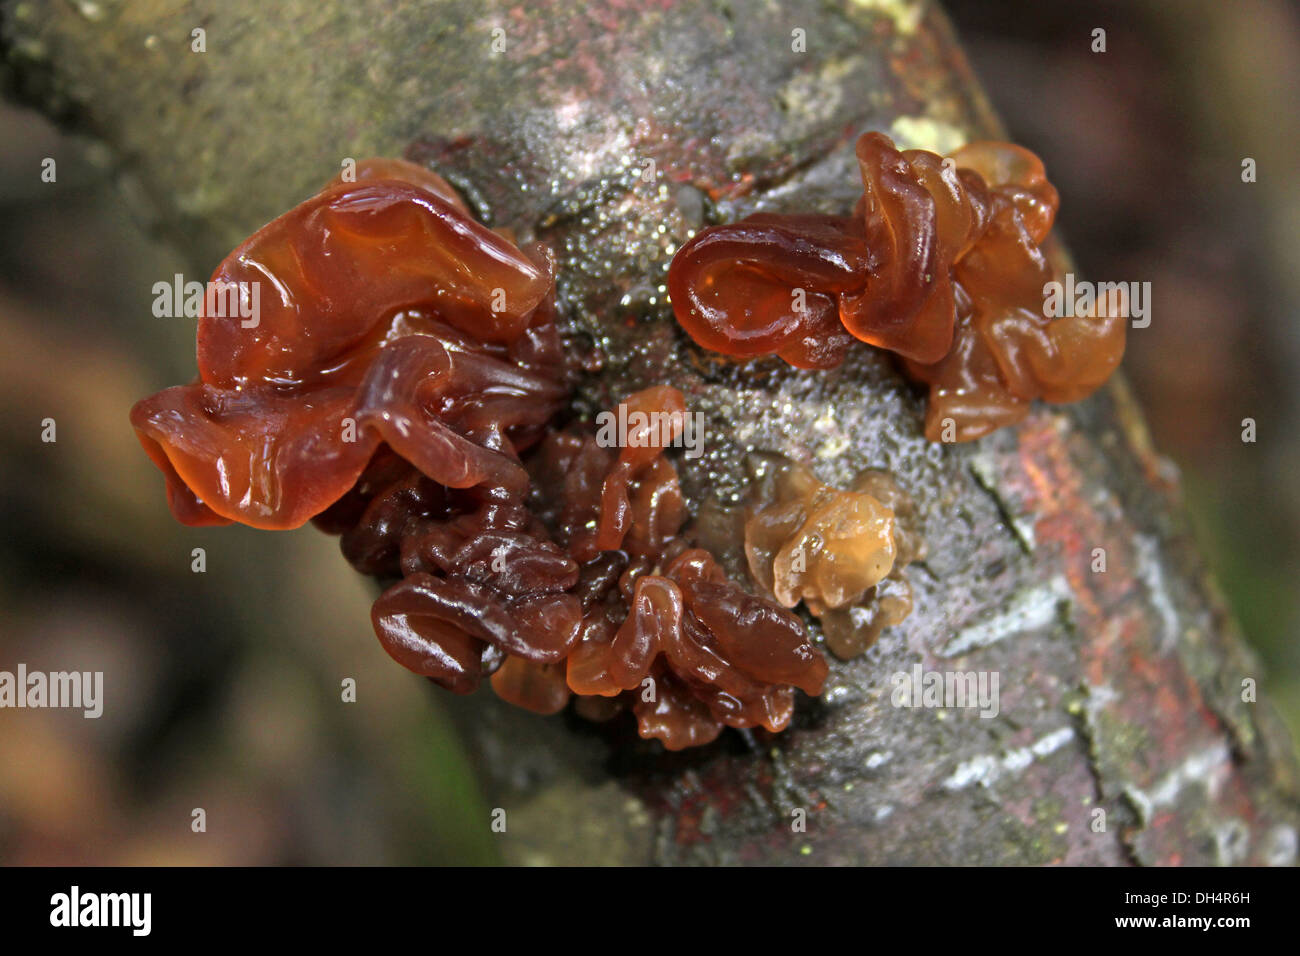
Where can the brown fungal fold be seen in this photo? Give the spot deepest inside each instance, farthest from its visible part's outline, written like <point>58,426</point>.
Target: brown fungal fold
<point>400,389</point>
<point>944,262</point>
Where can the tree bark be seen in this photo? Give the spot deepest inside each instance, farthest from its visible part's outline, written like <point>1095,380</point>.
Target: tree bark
<point>611,130</point>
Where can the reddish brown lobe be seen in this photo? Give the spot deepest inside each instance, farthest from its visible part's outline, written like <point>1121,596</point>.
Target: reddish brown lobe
<point>943,263</point>
<point>365,292</point>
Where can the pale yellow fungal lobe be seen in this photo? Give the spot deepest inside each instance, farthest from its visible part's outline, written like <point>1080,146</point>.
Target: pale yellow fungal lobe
<point>817,544</point>
<point>840,551</point>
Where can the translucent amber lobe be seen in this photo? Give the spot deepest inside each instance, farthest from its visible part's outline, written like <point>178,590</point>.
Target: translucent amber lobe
<point>920,216</point>
<point>385,168</point>
<point>333,269</point>
<point>841,552</point>
<point>536,687</point>
<point>383,313</point>
<point>769,285</point>
<point>645,442</point>
<point>942,263</point>
<point>816,544</point>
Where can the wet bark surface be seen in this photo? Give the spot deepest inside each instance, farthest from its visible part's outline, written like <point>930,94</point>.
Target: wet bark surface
<point>612,131</point>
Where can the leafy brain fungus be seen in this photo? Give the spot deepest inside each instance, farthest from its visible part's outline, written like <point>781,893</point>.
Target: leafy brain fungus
<point>943,263</point>
<point>401,389</point>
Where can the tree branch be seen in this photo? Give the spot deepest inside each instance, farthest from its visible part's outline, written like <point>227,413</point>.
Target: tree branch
<point>612,131</point>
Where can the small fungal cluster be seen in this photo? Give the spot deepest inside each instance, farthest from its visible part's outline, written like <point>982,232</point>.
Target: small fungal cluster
<point>405,387</point>
<point>580,588</point>
<point>943,263</point>
<point>841,552</point>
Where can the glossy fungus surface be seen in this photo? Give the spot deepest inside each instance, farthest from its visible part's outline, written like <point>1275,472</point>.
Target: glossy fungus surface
<point>842,552</point>
<point>580,586</point>
<point>398,385</point>
<point>661,617</point>
<point>384,314</point>
<point>943,263</point>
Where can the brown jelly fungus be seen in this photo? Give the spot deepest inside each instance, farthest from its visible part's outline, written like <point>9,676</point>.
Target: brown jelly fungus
<point>944,263</point>
<point>399,388</point>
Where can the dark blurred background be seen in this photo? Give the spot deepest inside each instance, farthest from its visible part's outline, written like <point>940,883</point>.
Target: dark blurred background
<point>216,704</point>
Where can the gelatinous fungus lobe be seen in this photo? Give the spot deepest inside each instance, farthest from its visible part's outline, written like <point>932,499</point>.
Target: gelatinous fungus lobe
<point>943,263</point>
<point>841,552</point>
<point>385,314</point>
<point>664,630</point>
<point>1007,349</point>
<point>615,605</point>
<point>397,386</point>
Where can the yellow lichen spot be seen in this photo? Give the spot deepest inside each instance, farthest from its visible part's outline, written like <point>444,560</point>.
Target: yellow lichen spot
<point>922,132</point>
<point>906,14</point>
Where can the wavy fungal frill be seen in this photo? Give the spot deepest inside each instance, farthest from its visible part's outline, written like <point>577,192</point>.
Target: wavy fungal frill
<point>841,551</point>
<point>943,263</point>
<point>399,389</point>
